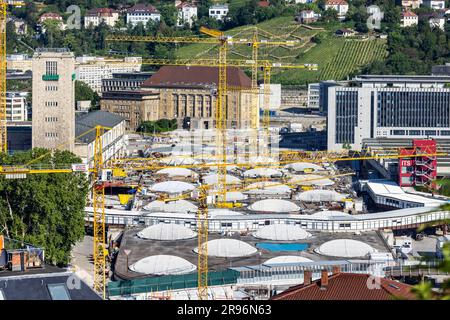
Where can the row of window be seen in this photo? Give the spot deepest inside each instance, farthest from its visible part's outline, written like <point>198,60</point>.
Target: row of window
<point>51,88</point>
<point>420,132</point>
<point>51,103</point>
<point>51,119</point>
<point>51,135</point>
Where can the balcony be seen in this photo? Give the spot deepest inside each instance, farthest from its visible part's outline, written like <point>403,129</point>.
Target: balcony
<point>50,77</point>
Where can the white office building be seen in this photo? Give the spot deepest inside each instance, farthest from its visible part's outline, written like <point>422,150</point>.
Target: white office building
<point>17,107</point>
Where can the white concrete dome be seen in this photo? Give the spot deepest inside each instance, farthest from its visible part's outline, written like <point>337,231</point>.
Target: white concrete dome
<point>302,166</point>
<point>327,215</point>
<point>163,265</point>
<point>235,196</point>
<point>214,178</point>
<point>321,195</point>
<point>167,232</point>
<point>274,205</point>
<point>287,259</point>
<point>267,187</point>
<point>229,248</point>
<point>172,187</point>
<point>262,172</point>
<point>345,248</point>
<point>177,172</point>
<point>311,180</point>
<point>281,232</point>
<point>182,206</point>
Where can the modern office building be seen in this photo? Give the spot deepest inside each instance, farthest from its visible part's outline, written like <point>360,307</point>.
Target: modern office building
<point>125,81</point>
<point>92,70</point>
<point>313,95</point>
<point>17,107</point>
<point>384,107</point>
<point>53,99</point>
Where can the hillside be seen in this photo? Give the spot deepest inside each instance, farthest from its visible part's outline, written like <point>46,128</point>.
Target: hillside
<point>337,57</point>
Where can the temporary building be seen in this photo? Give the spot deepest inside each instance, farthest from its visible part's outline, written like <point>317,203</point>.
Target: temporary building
<point>345,248</point>
<point>311,180</point>
<point>281,232</point>
<point>229,248</point>
<point>267,187</point>
<point>214,178</point>
<point>183,206</point>
<point>177,172</point>
<point>274,205</point>
<point>287,260</point>
<point>172,187</point>
<point>303,166</point>
<point>262,172</point>
<point>163,265</point>
<point>327,215</point>
<point>321,196</point>
<point>166,231</point>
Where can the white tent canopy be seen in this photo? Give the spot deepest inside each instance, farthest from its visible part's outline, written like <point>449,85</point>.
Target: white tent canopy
<point>274,205</point>
<point>345,248</point>
<point>311,180</point>
<point>163,265</point>
<point>287,260</point>
<point>262,172</point>
<point>172,187</point>
<point>214,178</point>
<point>267,187</point>
<point>177,172</point>
<point>235,196</point>
<point>302,166</point>
<point>171,206</point>
<point>321,195</point>
<point>327,215</point>
<point>281,232</point>
<point>166,231</point>
<point>229,248</point>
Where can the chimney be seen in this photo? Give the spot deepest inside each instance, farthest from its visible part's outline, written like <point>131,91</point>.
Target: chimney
<point>336,270</point>
<point>307,277</point>
<point>324,279</point>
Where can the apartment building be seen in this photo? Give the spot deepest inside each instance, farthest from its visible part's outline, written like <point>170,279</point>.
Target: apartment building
<point>141,13</point>
<point>17,107</point>
<point>96,16</point>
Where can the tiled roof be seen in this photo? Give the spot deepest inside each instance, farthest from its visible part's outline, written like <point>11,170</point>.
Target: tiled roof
<point>142,8</point>
<point>182,76</point>
<point>263,3</point>
<point>104,12</point>
<point>409,14</point>
<point>336,2</point>
<point>50,15</point>
<point>349,286</point>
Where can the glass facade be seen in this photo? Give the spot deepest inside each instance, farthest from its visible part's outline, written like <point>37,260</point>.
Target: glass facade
<point>413,109</point>
<point>346,116</point>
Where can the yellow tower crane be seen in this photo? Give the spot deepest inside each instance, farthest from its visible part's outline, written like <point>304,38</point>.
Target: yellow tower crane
<point>3,128</point>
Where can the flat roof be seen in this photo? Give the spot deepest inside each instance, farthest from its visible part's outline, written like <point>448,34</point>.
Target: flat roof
<point>401,78</point>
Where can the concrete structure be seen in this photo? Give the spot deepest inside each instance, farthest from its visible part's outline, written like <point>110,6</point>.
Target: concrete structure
<point>417,107</point>
<point>275,97</point>
<point>53,99</point>
<point>187,13</point>
<point>313,95</point>
<point>163,265</point>
<point>409,19</point>
<point>19,62</point>
<point>188,94</point>
<point>125,81</point>
<point>134,106</point>
<point>341,6</point>
<point>96,16</point>
<point>345,248</point>
<point>218,12</point>
<point>92,70</point>
<point>113,140</point>
<point>434,4</point>
<point>17,107</point>
<point>141,13</point>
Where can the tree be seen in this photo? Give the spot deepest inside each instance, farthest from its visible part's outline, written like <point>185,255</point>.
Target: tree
<point>162,125</point>
<point>45,210</point>
<point>329,15</point>
<point>84,93</point>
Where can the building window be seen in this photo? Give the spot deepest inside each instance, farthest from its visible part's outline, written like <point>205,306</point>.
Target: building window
<point>58,291</point>
<point>51,68</point>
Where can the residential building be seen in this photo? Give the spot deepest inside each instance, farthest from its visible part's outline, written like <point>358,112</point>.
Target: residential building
<point>434,4</point>
<point>307,16</point>
<point>20,25</point>
<point>17,107</point>
<point>92,70</point>
<point>96,16</point>
<point>218,12</point>
<point>345,32</point>
<point>388,107</point>
<point>142,13</point>
<point>125,81</point>
<point>409,19</point>
<point>51,16</point>
<point>53,99</point>
<point>134,106</point>
<point>113,139</point>
<point>188,94</point>
<point>346,286</point>
<point>187,13</point>
<point>341,6</point>
<point>411,4</point>
<point>435,19</point>
<point>19,62</point>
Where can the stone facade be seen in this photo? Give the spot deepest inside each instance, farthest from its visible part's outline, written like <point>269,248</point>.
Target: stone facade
<point>53,111</point>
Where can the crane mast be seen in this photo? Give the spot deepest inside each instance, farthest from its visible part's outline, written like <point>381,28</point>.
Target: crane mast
<point>3,127</point>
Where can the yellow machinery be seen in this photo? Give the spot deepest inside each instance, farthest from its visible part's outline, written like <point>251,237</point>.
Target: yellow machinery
<point>3,136</point>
